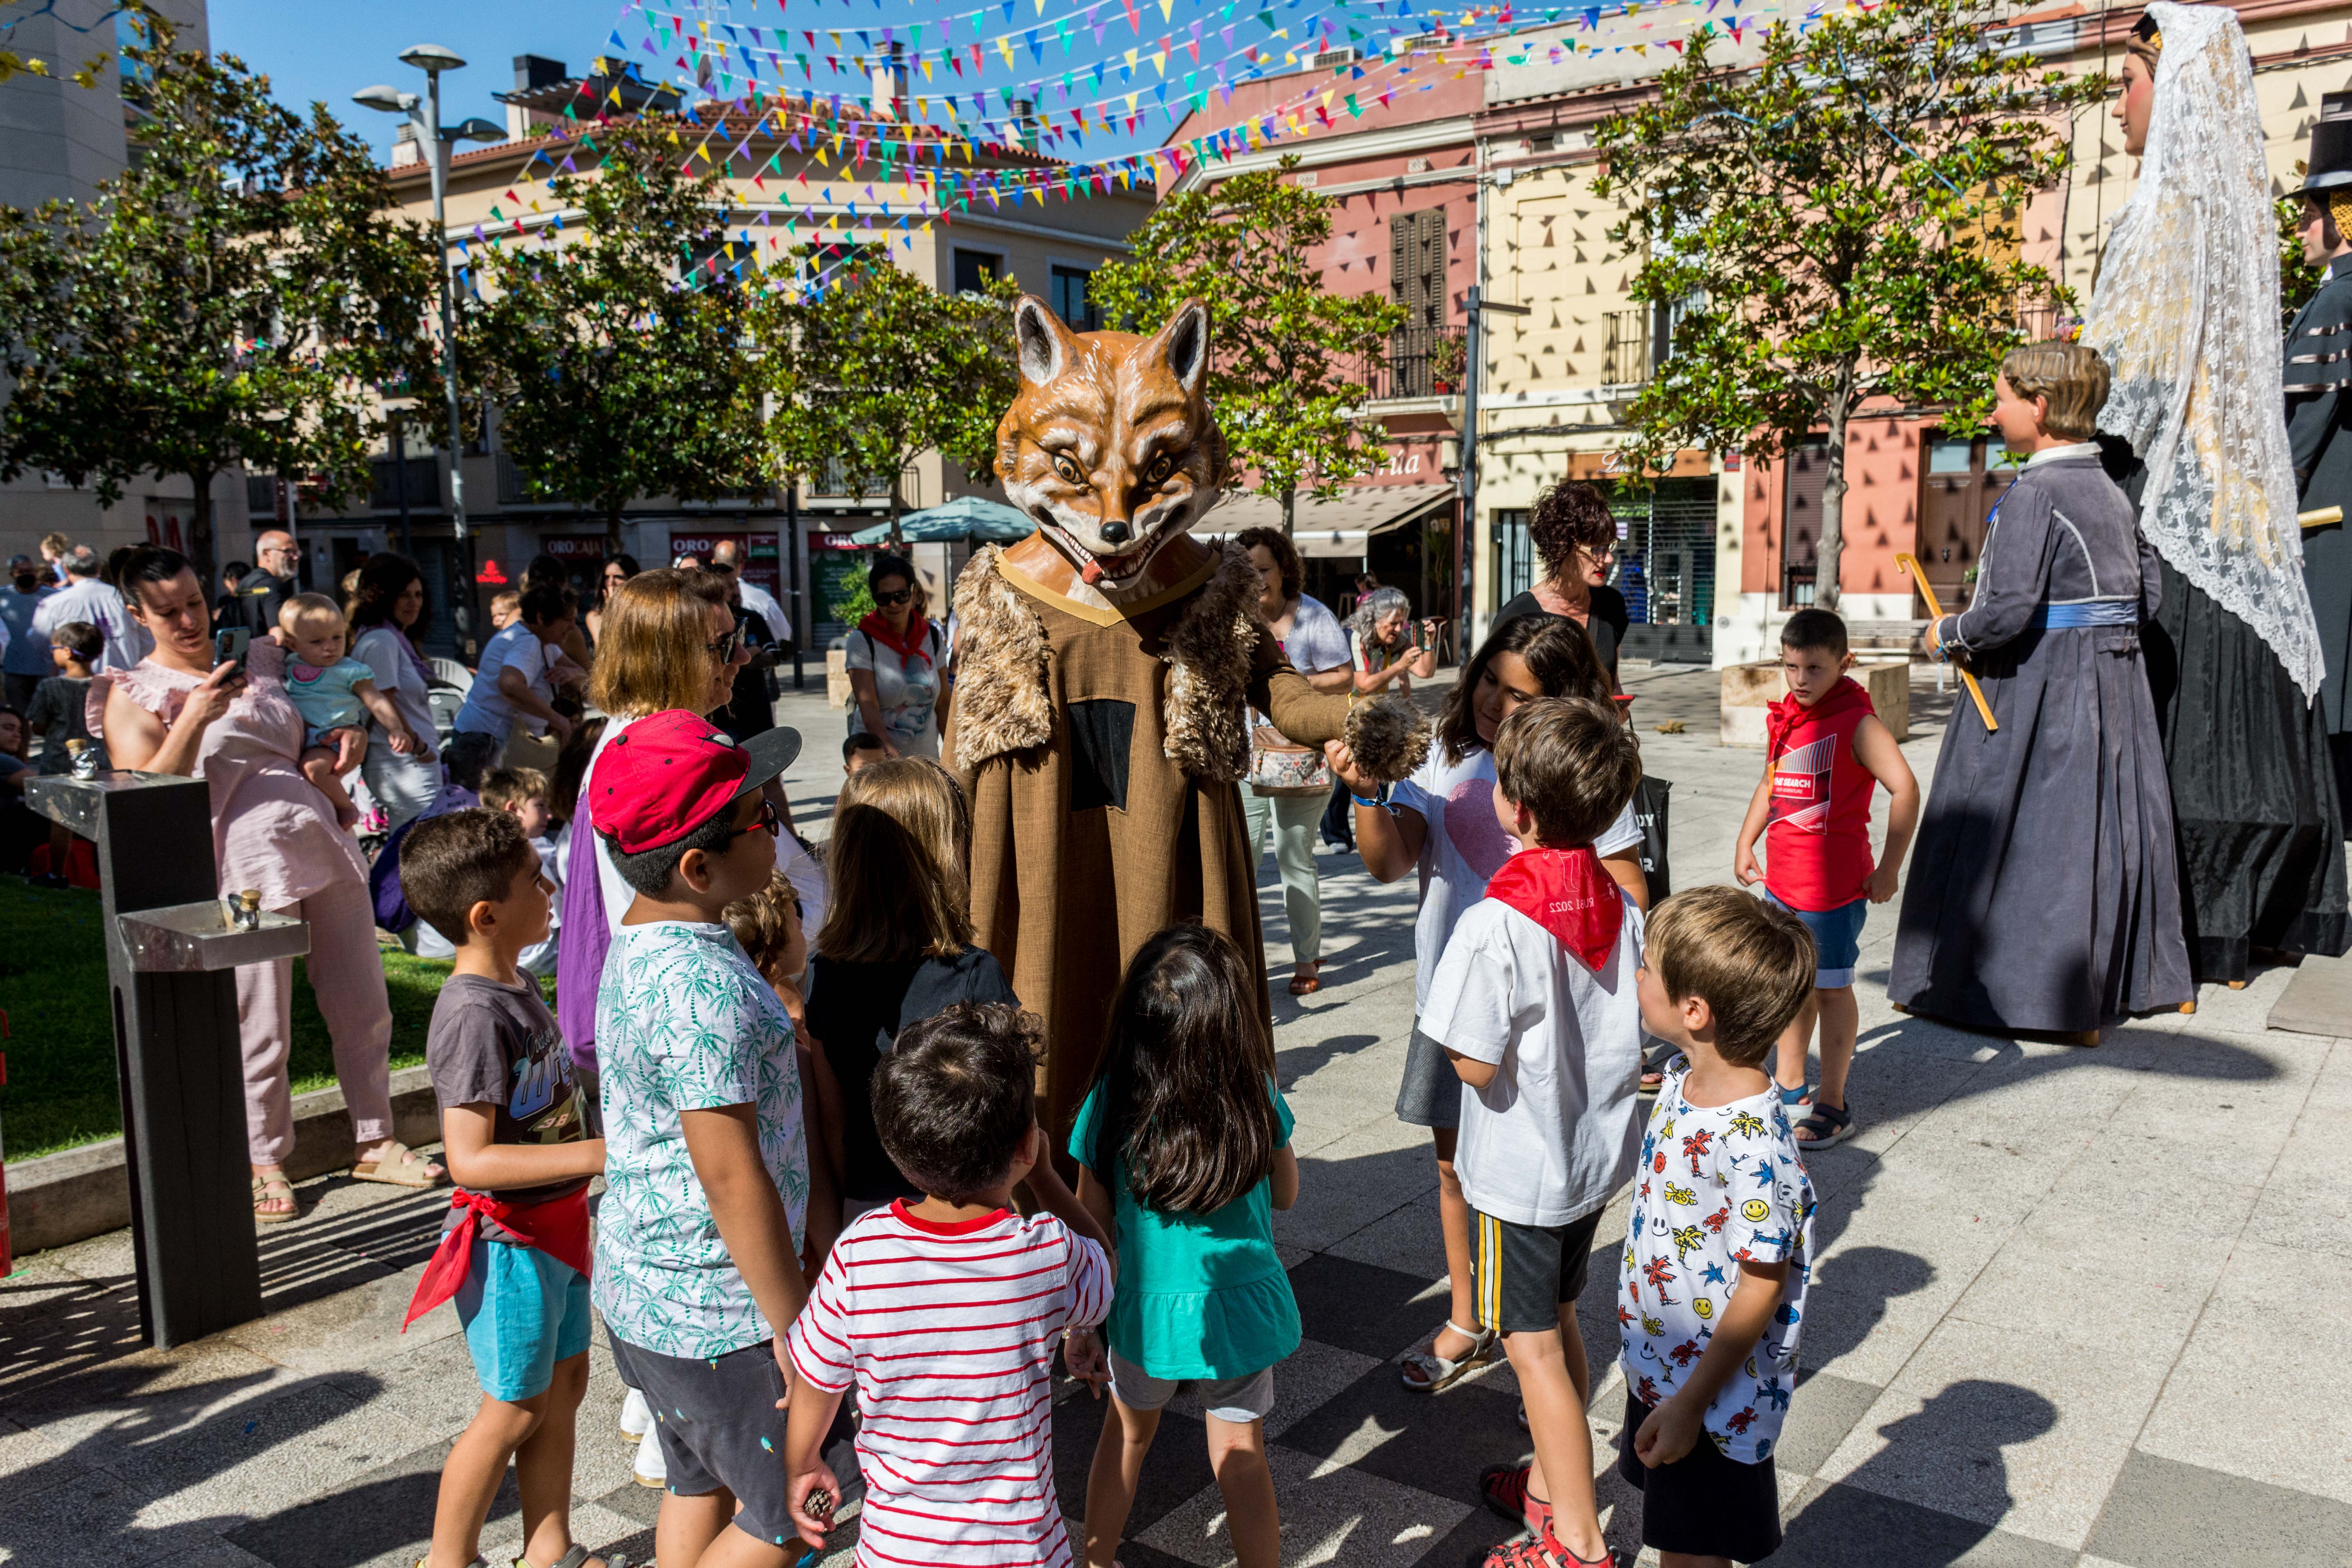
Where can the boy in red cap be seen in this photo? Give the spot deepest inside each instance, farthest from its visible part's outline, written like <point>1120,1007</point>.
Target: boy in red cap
<point>697,1268</point>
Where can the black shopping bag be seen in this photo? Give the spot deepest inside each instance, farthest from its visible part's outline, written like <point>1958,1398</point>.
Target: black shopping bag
<point>1650,816</point>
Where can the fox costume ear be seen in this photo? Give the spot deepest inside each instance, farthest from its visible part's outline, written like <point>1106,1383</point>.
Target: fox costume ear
<point>1044,346</point>
<point>1184,345</point>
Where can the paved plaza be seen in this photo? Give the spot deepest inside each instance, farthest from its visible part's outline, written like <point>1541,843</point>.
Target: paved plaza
<point>2053,1318</point>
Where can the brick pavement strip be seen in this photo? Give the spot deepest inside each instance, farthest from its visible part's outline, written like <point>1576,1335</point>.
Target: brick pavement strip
<point>2051,1289</point>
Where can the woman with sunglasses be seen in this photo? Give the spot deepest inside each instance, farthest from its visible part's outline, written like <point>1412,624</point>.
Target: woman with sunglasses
<point>898,664</point>
<point>617,571</point>
<point>1575,536</point>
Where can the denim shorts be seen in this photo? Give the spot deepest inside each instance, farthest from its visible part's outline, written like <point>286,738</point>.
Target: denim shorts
<point>1837,939</point>
<point>523,1311</point>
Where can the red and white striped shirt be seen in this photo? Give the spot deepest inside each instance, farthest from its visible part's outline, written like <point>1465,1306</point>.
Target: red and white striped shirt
<point>948,1331</point>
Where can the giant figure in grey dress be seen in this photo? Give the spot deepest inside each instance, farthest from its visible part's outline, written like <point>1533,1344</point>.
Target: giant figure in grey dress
<point>2043,892</point>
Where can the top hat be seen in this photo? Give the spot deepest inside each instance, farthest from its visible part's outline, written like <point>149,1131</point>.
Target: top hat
<point>2330,167</point>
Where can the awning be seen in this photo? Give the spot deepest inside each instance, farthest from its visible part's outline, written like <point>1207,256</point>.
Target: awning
<point>1341,527</point>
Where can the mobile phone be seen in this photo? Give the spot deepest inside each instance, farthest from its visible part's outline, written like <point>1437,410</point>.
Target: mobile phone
<point>229,646</point>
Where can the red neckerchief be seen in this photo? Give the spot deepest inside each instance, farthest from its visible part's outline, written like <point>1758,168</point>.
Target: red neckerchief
<point>913,645</point>
<point>558,1227</point>
<point>1565,892</point>
<point>1782,718</point>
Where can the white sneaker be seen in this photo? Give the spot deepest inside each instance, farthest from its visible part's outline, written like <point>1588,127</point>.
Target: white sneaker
<point>650,1470</point>
<point>636,1416</point>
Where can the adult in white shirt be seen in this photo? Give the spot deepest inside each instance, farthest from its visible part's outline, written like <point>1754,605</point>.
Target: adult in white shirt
<point>87,599</point>
<point>511,683</point>
<point>385,613</point>
<point>756,599</point>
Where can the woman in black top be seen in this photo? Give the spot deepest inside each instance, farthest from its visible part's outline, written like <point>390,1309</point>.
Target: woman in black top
<point>1575,537</point>
<point>896,947</point>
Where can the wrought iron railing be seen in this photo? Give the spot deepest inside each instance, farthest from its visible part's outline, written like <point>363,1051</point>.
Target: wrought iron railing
<point>1626,348</point>
<point>1419,362</point>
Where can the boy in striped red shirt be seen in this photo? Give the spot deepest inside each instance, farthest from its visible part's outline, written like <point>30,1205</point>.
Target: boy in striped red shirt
<point>944,1312</point>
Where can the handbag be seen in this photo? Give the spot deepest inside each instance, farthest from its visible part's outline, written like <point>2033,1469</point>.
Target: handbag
<point>1281,770</point>
<point>1650,816</point>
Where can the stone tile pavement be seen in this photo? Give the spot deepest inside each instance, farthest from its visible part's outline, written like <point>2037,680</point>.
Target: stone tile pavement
<point>2053,1319</point>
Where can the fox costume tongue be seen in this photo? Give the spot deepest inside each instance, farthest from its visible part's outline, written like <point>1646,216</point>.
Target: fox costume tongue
<point>1565,892</point>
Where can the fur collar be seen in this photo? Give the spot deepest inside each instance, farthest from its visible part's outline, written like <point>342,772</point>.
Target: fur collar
<point>1003,700</point>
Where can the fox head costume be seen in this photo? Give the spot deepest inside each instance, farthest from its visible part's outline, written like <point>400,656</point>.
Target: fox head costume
<point>1110,446</point>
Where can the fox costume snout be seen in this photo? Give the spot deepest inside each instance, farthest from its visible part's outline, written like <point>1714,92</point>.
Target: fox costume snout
<point>1110,446</point>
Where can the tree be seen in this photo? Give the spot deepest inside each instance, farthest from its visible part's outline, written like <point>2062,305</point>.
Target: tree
<point>1281,370</point>
<point>230,300</point>
<point>619,357</point>
<point>868,366</point>
<point>1834,223</point>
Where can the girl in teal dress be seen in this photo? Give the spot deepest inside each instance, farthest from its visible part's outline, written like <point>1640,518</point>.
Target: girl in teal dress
<point>1183,1148</point>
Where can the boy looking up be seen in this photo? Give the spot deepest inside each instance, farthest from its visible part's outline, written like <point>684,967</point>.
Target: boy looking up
<point>1824,749</point>
<point>943,1312</point>
<point>522,794</point>
<point>1720,1240</point>
<point>707,1172</point>
<point>514,1254</point>
<point>1533,1001</point>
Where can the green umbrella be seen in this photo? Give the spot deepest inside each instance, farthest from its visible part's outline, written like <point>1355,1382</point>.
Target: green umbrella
<point>966,516</point>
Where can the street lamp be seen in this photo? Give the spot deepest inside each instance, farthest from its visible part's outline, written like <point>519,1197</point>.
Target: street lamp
<point>424,114</point>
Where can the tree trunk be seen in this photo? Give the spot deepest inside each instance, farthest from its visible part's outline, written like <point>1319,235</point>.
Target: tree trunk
<point>200,532</point>
<point>898,539</point>
<point>1289,508</point>
<point>613,535</point>
<point>1830,547</point>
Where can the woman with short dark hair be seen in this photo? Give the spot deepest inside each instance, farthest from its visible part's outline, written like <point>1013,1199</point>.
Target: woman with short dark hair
<point>898,664</point>
<point>1575,536</point>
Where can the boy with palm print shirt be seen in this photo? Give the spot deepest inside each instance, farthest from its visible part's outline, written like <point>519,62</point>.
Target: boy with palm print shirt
<point>1720,1240</point>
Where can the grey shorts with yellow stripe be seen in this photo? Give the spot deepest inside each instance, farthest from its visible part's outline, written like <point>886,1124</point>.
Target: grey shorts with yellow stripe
<point>1523,1272</point>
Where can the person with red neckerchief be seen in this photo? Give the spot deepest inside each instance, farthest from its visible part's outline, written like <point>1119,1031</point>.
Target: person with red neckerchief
<point>898,662</point>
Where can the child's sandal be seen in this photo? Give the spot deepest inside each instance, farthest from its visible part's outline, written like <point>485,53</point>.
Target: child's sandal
<point>1829,1125</point>
<point>1437,1373</point>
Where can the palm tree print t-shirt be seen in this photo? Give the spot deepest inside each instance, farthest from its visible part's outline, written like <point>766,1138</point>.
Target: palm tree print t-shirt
<point>685,1022</point>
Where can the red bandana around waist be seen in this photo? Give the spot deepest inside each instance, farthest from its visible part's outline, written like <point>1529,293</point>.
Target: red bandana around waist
<point>914,644</point>
<point>558,1227</point>
<point>1567,893</point>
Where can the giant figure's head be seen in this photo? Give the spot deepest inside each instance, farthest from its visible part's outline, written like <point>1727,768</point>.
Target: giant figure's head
<point>1110,448</point>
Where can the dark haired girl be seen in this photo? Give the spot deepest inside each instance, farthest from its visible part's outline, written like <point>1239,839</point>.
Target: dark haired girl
<point>1183,1147</point>
<point>1441,821</point>
<point>898,664</point>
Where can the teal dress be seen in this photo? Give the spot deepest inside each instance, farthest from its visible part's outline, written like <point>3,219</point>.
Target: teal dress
<point>1200,1295</point>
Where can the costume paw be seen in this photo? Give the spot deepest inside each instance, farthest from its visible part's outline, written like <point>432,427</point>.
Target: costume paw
<point>1388,738</point>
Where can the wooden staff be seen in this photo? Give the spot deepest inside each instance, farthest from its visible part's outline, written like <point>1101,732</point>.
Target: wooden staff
<point>2321,517</point>
<point>1936,612</point>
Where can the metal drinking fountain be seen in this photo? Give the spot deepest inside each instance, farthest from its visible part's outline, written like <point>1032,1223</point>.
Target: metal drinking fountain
<point>170,944</point>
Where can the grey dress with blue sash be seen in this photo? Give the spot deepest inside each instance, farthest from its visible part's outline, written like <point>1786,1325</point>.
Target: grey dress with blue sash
<point>2043,892</point>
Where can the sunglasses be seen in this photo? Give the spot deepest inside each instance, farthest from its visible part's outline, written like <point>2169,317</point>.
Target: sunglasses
<point>901,597</point>
<point>723,650</point>
<point>767,819</point>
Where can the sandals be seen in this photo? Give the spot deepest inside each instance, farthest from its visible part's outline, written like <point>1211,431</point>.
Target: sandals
<point>1829,1125</point>
<point>1505,1487</point>
<point>1438,1373</point>
<point>399,1166</point>
<point>268,1189</point>
<point>1306,984</point>
<point>575,1558</point>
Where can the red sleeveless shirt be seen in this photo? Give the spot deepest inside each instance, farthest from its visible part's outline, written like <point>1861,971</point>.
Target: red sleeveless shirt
<point>1817,835</point>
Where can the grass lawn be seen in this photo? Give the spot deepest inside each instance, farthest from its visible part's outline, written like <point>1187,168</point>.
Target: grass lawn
<point>60,1037</point>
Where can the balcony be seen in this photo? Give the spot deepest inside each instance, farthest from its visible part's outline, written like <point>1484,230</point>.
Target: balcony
<point>1419,361</point>
<point>2037,316</point>
<point>424,479</point>
<point>514,485</point>
<point>1626,348</point>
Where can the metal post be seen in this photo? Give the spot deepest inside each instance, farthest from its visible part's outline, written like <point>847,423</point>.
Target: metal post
<point>468,590</point>
<point>170,950</point>
<point>805,625</point>
<point>1466,565</point>
<point>400,481</point>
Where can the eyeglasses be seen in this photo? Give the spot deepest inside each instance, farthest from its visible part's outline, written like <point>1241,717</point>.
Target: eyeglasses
<point>767,819</point>
<point>723,650</point>
<point>901,597</point>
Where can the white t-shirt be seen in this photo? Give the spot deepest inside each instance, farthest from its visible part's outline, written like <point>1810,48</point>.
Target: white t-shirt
<point>1553,1135</point>
<point>1464,847</point>
<point>488,711</point>
<point>762,604</point>
<point>1718,1184</point>
<point>382,649</point>
<point>907,689</point>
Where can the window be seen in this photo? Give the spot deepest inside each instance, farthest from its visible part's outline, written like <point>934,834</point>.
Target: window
<point>976,270</point>
<point>1417,266</point>
<point>1070,301</point>
<point>1513,556</point>
<point>1800,525</point>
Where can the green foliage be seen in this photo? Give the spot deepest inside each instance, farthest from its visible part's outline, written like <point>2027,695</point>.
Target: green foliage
<point>1282,347</point>
<point>620,367</point>
<point>1833,223</point>
<point>874,366</point>
<point>229,300</point>
<point>2298,279</point>
<point>858,602</point>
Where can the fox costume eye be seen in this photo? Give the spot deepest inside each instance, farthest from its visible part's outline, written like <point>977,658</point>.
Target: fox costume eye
<point>1068,469</point>
<point>1162,467</point>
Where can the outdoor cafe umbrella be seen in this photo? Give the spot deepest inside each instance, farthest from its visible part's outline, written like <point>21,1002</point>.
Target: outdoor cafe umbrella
<point>966,516</point>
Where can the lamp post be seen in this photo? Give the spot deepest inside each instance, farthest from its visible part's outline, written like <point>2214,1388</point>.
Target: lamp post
<point>424,114</point>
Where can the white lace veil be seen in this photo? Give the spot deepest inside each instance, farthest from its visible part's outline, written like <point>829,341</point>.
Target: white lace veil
<point>2186,313</point>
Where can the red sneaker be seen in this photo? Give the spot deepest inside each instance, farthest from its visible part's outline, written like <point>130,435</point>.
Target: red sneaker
<point>1505,1487</point>
<point>1543,1550</point>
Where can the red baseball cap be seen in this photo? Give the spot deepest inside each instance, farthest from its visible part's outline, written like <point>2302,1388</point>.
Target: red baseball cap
<point>671,772</point>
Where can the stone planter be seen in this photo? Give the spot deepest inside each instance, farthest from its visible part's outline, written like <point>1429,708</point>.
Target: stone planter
<point>836,677</point>
<point>1749,689</point>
